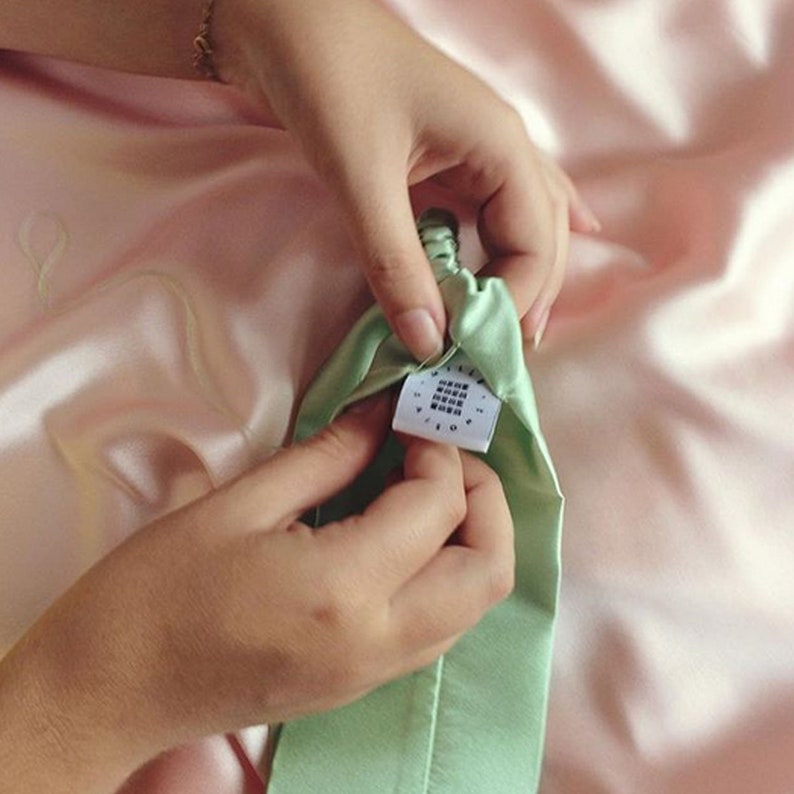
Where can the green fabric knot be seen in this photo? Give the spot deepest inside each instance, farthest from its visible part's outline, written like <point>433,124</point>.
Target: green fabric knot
<point>438,231</point>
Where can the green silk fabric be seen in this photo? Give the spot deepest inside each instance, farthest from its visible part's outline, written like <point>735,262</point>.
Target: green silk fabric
<point>473,722</point>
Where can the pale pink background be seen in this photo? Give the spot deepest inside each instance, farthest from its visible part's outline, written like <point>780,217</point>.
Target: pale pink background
<point>173,274</point>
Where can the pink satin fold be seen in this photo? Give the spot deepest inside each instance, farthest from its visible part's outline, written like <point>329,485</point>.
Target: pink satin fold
<point>173,274</point>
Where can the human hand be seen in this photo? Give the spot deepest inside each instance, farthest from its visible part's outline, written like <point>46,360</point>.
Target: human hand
<point>230,612</point>
<point>377,109</point>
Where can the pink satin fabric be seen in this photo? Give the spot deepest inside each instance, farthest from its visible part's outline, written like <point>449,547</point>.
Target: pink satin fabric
<point>173,274</point>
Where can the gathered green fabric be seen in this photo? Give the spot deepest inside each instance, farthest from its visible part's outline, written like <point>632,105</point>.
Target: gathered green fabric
<point>473,722</point>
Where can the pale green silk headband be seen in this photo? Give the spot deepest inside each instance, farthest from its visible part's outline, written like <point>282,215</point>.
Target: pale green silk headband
<point>473,722</point>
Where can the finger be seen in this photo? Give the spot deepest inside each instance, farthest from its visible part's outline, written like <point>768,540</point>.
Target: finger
<point>538,246</point>
<point>533,324</point>
<point>410,521</point>
<point>393,260</point>
<point>516,215</point>
<point>309,473</point>
<point>452,592</point>
<point>582,218</point>
<point>488,527</point>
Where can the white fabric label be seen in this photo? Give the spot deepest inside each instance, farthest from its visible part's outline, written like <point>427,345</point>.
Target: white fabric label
<point>451,404</point>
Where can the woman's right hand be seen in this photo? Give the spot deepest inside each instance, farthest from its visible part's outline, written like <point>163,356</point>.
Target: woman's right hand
<point>230,612</point>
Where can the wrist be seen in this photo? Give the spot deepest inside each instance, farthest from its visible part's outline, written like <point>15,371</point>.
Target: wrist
<point>259,42</point>
<point>46,742</point>
<point>238,34</point>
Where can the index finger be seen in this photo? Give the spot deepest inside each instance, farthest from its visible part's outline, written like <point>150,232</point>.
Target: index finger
<point>519,211</point>
<point>410,521</point>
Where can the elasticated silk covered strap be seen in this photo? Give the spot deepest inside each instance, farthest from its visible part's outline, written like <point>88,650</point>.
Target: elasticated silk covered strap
<point>473,722</point>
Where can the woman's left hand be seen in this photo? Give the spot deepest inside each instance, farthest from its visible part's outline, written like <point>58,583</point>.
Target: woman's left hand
<point>377,109</point>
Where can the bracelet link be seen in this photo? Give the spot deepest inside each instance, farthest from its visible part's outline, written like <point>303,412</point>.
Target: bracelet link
<point>203,54</point>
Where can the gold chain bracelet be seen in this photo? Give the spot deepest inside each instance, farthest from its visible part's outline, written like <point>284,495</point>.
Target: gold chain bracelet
<point>203,60</point>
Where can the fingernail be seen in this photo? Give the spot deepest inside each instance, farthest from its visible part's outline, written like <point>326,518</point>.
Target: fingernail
<point>420,334</point>
<point>541,328</point>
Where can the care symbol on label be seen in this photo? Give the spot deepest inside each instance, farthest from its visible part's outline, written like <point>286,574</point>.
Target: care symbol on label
<point>452,404</point>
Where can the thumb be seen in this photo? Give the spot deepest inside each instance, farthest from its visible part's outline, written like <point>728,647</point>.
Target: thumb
<point>393,259</point>
<point>311,472</point>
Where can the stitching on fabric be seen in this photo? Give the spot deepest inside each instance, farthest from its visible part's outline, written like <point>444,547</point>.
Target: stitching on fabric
<point>431,739</point>
<point>43,266</point>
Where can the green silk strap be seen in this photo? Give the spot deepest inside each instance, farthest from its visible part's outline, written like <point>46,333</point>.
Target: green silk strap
<point>473,722</point>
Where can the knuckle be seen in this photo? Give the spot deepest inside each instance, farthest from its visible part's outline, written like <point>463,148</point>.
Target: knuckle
<point>455,506</point>
<point>387,268</point>
<point>335,605</point>
<point>333,444</point>
<point>352,638</point>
